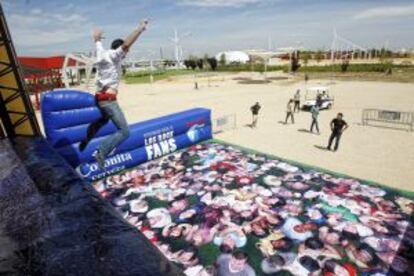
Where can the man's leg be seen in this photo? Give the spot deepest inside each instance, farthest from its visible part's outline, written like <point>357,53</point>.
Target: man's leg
<point>331,140</point>
<point>118,118</point>
<point>293,119</point>
<point>287,117</point>
<point>338,138</point>
<point>312,125</point>
<point>93,128</point>
<point>317,125</point>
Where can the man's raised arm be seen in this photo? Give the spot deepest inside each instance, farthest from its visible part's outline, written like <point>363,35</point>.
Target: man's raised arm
<point>134,35</point>
<point>97,37</point>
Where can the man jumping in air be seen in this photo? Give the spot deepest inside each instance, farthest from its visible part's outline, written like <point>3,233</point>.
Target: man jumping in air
<point>109,72</point>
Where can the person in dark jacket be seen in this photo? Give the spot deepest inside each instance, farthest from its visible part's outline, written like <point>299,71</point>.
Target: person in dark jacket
<point>338,126</point>
<point>255,113</point>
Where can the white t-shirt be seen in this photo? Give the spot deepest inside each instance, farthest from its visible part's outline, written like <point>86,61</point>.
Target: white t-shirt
<point>108,64</point>
<point>297,97</point>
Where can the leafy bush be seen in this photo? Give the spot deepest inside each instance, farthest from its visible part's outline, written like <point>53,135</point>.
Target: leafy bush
<point>294,64</point>
<point>213,63</point>
<point>344,65</point>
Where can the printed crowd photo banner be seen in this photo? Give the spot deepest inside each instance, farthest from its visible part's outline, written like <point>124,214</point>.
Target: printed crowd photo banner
<point>66,115</point>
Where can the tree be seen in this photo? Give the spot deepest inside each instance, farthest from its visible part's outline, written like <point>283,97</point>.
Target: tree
<point>294,64</point>
<point>200,64</point>
<point>223,60</point>
<point>386,65</point>
<point>344,65</point>
<point>318,56</point>
<point>168,63</point>
<point>213,63</point>
<point>187,63</point>
<point>306,57</point>
<point>205,60</point>
<point>372,52</point>
<point>193,64</point>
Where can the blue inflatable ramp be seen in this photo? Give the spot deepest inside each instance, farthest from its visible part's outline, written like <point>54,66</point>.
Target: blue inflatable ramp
<point>66,115</point>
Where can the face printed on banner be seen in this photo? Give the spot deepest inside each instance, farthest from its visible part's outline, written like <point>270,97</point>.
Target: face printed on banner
<point>176,232</point>
<point>340,271</point>
<point>278,243</point>
<point>363,256</point>
<point>198,239</point>
<point>236,265</point>
<point>332,238</point>
<point>304,227</point>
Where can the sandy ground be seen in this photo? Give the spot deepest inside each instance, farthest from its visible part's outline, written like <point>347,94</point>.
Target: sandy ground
<point>382,155</point>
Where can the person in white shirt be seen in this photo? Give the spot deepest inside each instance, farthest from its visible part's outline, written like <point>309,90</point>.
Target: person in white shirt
<point>289,111</point>
<point>109,70</point>
<point>315,113</point>
<point>296,98</point>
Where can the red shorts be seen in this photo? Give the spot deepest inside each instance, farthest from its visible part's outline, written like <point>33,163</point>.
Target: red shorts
<point>103,96</point>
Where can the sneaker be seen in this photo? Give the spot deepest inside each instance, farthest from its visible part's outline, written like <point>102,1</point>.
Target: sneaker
<point>99,159</point>
<point>82,145</point>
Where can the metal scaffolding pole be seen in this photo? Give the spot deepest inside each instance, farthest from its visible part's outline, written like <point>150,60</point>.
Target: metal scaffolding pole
<point>16,110</point>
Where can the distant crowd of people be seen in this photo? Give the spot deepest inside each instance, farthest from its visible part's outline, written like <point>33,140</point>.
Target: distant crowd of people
<point>337,125</point>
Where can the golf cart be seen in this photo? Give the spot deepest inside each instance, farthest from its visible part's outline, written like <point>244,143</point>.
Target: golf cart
<point>318,92</point>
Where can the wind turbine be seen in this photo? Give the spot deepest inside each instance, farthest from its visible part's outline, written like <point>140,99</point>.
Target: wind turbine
<point>178,50</point>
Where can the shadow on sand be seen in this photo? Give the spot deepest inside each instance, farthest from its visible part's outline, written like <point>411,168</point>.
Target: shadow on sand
<point>304,130</point>
<point>321,147</point>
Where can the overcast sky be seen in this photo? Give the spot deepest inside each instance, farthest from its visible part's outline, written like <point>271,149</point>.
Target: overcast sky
<point>45,27</point>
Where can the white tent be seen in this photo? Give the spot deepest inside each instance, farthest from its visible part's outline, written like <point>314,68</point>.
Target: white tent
<point>233,56</point>
<point>81,62</point>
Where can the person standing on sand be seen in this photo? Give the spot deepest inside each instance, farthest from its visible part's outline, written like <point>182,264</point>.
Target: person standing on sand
<point>255,113</point>
<point>315,113</point>
<point>109,72</point>
<point>289,112</point>
<point>338,126</point>
<point>296,97</point>
<point>319,99</point>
